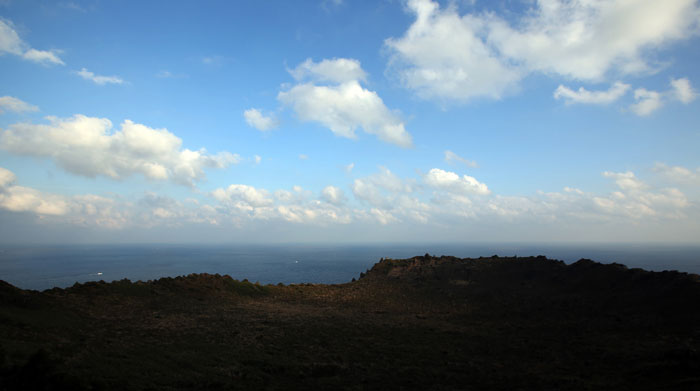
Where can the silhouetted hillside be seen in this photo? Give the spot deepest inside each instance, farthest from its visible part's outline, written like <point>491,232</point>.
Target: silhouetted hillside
<point>419,323</point>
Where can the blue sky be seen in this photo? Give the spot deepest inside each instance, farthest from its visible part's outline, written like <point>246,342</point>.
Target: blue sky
<point>342,121</point>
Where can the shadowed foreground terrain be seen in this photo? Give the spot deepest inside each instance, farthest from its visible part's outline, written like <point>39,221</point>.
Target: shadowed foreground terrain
<point>419,323</point>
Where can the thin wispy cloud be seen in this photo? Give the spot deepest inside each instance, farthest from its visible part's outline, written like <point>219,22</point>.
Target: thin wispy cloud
<point>11,43</point>
<point>98,79</point>
<point>15,105</point>
<point>452,158</point>
<point>584,96</point>
<point>649,101</point>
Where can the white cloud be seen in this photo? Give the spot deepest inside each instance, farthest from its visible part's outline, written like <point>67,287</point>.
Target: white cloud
<point>573,190</point>
<point>238,204</point>
<point>636,200</point>
<point>215,60</point>
<point>379,189</point>
<point>452,182</point>
<point>678,174</point>
<point>342,107</point>
<point>243,204</point>
<point>87,146</point>
<point>7,178</point>
<point>258,159</point>
<point>625,180</point>
<point>451,157</point>
<point>615,92</point>
<point>43,57</point>
<point>449,56</point>
<point>443,204</point>
<point>586,40</point>
<point>9,103</point>
<point>348,168</point>
<point>683,91</point>
<point>337,70</point>
<point>444,56</point>
<point>11,43</point>
<point>72,6</point>
<point>244,196</point>
<point>333,195</point>
<point>91,210</point>
<point>97,79</point>
<point>23,199</point>
<point>303,157</point>
<point>327,4</point>
<point>254,118</point>
<point>166,74</point>
<point>389,197</point>
<point>647,102</point>
<point>383,217</point>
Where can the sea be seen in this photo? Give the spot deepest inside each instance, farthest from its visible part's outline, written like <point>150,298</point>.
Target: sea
<point>48,266</point>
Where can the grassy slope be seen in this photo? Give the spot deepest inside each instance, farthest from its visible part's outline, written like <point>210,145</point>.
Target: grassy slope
<point>422,323</point>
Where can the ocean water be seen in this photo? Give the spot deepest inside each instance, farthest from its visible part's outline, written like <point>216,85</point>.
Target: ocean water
<point>44,267</point>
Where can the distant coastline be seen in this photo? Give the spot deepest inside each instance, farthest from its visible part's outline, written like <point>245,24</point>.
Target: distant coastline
<point>47,266</point>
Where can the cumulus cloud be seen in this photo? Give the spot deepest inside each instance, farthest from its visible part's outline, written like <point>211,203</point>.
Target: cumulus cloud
<point>97,79</point>
<point>615,92</point>
<point>439,201</point>
<point>448,56</point>
<point>11,43</point>
<point>678,174</point>
<point>683,91</point>
<point>391,198</point>
<point>625,180</point>
<point>243,196</point>
<point>444,55</point>
<point>90,210</point>
<point>337,70</point>
<point>370,188</point>
<point>255,118</point>
<point>88,146</point>
<point>236,204</point>
<point>23,199</point>
<point>242,203</point>
<point>330,93</point>
<point>452,182</point>
<point>636,200</point>
<point>587,39</point>
<point>333,195</point>
<point>647,102</point>
<point>7,178</point>
<point>451,157</point>
<point>10,103</point>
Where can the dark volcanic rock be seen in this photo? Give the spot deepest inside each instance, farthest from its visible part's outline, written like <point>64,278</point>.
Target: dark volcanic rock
<point>420,323</point>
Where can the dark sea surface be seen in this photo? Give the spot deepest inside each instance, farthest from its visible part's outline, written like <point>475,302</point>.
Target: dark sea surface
<point>44,267</point>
